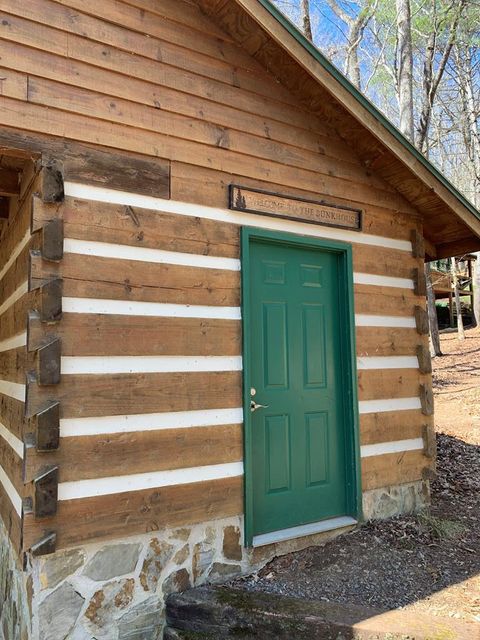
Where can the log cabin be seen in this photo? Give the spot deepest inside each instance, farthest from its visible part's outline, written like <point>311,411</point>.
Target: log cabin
<point>213,336</point>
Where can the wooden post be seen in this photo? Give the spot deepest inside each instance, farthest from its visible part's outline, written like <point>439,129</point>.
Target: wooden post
<point>461,331</point>
<point>432,313</point>
<point>450,309</point>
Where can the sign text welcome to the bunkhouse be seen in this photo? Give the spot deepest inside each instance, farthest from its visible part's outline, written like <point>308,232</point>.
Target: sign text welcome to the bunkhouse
<point>278,206</point>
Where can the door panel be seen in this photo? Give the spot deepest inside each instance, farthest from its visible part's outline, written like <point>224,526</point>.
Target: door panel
<point>299,467</point>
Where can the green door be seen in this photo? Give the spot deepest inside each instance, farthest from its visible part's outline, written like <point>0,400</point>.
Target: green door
<point>299,443</point>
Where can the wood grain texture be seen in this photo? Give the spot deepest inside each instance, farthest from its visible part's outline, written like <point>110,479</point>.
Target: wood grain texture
<point>375,384</point>
<point>393,469</point>
<point>13,364</point>
<point>11,520</point>
<point>110,278</point>
<point>387,341</point>
<point>133,226</point>
<point>117,516</point>
<point>117,454</point>
<point>107,395</point>
<point>206,186</point>
<point>12,464</point>
<point>12,415</point>
<point>384,301</point>
<point>389,426</point>
<point>111,335</point>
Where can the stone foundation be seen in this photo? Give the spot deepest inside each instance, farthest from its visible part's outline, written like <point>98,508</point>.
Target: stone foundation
<point>403,499</point>
<point>15,593</point>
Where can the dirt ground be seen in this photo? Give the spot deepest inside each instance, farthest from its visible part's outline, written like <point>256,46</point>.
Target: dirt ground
<point>429,562</point>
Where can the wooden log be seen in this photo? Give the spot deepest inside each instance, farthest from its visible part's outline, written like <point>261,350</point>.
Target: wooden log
<point>11,520</point>
<point>392,469</point>
<point>52,181</point>
<point>421,320</point>
<point>117,454</point>
<point>426,398</point>
<point>52,240</point>
<point>386,341</point>
<point>137,393</point>
<point>420,282</point>
<point>424,358</point>
<point>45,496</point>
<point>418,244</point>
<point>136,512</point>
<point>85,334</point>
<point>90,164</point>
<point>50,301</point>
<point>12,465</point>
<point>48,363</point>
<point>389,426</point>
<point>47,430</point>
<point>13,363</point>
<point>429,440</point>
<point>134,226</point>
<point>111,278</point>
<point>12,415</point>
<point>374,384</point>
<point>388,301</point>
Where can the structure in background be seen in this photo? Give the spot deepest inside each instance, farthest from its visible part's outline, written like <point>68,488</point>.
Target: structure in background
<point>213,336</point>
<point>444,289</point>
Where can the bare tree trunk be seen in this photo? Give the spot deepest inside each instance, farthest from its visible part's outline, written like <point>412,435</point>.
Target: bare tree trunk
<point>432,314</point>
<point>476,289</point>
<point>306,21</point>
<point>356,27</point>
<point>461,331</point>
<point>432,80</point>
<point>405,68</point>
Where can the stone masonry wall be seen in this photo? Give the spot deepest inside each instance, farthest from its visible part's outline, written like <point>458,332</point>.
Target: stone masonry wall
<point>116,590</point>
<point>15,593</point>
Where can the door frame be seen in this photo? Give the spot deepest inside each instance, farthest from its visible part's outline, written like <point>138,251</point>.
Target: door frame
<point>348,354</point>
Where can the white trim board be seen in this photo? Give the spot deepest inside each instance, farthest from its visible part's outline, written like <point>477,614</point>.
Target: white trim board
<point>154,309</point>
<point>303,530</point>
<point>140,481</point>
<point>387,362</point>
<point>15,253</point>
<point>101,194</point>
<point>383,281</point>
<point>143,254</point>
<point>148,364</point>
<point>15,443</point>
<point>13,390</point>
<point>149,422</point>
<point>11,492</point>
<point>390,404</point>
<point>20,340</point>
<point>98,365</point>
<point>401,322</point>
<point>398,446</point>
<point>16,295</point>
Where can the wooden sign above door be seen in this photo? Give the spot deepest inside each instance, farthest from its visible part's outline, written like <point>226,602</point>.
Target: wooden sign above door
<point>278,206</point>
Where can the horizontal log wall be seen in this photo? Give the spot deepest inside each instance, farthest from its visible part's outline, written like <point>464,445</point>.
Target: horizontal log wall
<point>150,392</point>
<point>149,396</point>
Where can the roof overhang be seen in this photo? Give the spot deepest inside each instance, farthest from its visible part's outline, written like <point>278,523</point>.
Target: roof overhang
<point>451,221</point>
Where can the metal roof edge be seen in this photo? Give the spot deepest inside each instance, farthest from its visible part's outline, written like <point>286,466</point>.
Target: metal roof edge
<point>366,103</point>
